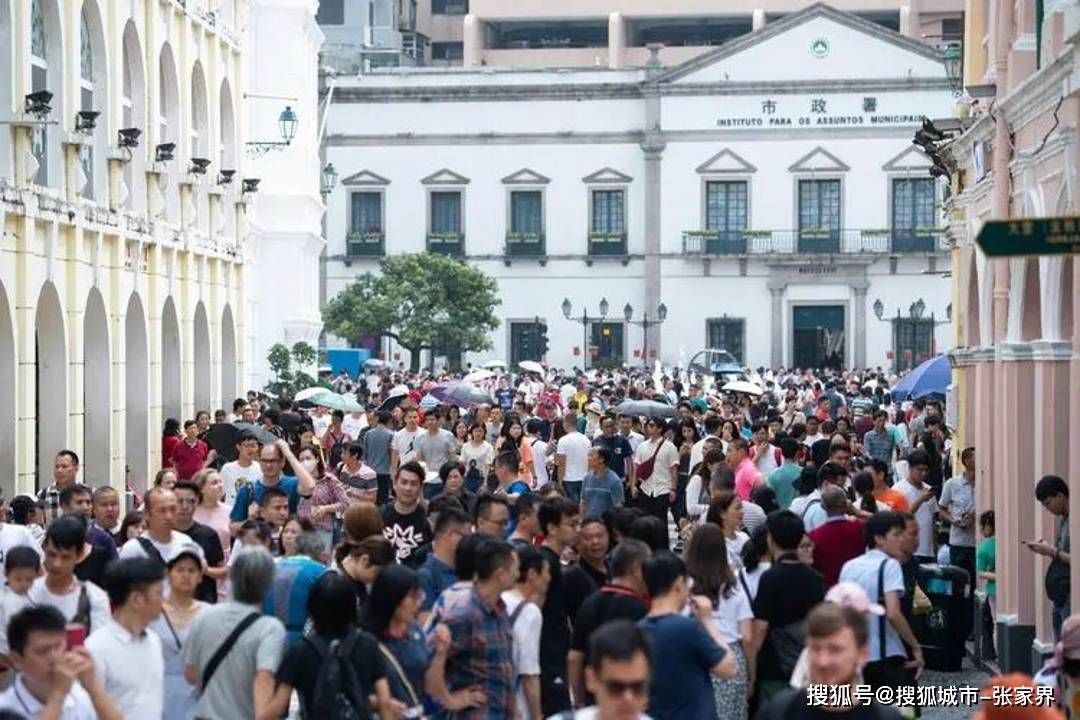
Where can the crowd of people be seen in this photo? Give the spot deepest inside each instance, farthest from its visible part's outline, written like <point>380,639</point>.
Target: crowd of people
<point>546,554</point>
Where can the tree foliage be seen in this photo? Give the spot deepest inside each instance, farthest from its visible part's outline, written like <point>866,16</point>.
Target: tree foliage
<point>289,367</point>
<point>423,301</point>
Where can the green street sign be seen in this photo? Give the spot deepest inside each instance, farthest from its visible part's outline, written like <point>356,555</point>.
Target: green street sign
<point>1030,236</point>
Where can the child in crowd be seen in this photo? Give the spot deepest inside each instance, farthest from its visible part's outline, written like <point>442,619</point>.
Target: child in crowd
<point>22,566</point>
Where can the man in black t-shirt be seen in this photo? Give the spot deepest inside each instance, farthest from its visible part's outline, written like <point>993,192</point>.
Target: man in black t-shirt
<point>590,572</point>
<point>624,598</point>
<point>188,496</point>
<point>836,641</point>
<point>620,455</point>
<point>787,592</point>
<point>559,519</point>
<point>405,523</point>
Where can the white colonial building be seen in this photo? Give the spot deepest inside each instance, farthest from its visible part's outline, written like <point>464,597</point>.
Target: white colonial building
<point>767,194</point>
<point>122,219</point>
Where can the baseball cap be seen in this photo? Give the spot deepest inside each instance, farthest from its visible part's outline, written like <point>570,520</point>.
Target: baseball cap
<point>187,549</point>
<point>852,595</point>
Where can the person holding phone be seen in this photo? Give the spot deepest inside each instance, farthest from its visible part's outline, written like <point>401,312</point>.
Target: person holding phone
<point>1053,493</point>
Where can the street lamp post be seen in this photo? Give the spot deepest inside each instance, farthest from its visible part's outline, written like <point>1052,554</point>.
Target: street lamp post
<point>645,323</point>
<point>585,320</point>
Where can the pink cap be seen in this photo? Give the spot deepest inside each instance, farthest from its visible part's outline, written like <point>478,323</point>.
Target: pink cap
<point>852,595</point>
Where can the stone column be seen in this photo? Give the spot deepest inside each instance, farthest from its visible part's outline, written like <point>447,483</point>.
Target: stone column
<point>616,40</point>
<point>653,148</point>
<point>473,49</point>
<point>776,290</point>
<point>858,310</point>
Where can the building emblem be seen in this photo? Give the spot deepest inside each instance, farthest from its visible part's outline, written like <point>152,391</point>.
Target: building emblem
<point>819,48</point>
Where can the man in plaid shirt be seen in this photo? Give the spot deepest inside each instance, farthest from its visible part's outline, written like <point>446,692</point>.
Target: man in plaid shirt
<point>481,653</point>
<point>65,472</point>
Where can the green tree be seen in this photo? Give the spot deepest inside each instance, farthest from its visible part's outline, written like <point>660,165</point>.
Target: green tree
<point>289,368</point>
<point>423,301</point>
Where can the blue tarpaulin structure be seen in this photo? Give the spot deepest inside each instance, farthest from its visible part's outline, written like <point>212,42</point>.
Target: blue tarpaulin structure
<point>930,378</point>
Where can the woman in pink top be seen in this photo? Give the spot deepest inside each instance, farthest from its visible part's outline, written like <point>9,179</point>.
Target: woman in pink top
<point>213,512</point>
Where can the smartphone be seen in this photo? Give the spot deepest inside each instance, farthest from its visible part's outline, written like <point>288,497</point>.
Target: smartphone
<point>76,635</point>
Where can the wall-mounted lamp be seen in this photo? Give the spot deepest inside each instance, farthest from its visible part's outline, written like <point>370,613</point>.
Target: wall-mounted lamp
<point>38,103</point>
<point>199,166</point>
<point>129,137</point>
<point>86,121</point>
<point>164,152</point>
<point>251,185</point>
<point>225,177</point>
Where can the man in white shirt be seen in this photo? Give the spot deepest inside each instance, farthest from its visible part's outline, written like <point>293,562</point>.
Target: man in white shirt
<point>83,603</point>
<point>52,682</point>
<point>812,431</point>
<point>244,468</point>
<point>320,420</point>
<point>878,572</point>
<point>402,449</point>
<point>922,503</point>
<point>626,429</point>
<point>655,491</point>
<point>533,426</point>
<point>12,536</point>
<point>353,423</point>
<point>526,620</point>
<point>160,540</point>
<point>127,657</point>
<point>712,430</point>
<point>572,458</point>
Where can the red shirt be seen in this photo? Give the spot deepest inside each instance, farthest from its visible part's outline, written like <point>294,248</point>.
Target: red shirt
<point>189,459</point>
<point>168,444</point>
<point>836,542</point>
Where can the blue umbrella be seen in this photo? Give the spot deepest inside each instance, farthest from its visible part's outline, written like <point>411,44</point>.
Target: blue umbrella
<point>930,378</point>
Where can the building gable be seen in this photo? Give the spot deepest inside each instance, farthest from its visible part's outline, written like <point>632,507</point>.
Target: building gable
<point>819,160</point>
<point>724,162</point>
<point>911,158</point>
<point>444,177</point>
<point>607,176</point>
<point>818,43</point>
<point>525,176</point>
<point>364,177</point>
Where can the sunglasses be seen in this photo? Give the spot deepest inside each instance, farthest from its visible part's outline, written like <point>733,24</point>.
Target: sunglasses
<point>637,688</point>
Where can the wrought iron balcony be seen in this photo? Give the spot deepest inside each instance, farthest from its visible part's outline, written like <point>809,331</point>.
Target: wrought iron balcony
<point>814,241</point>
<point>365,244</point>
<point>520,244</point>
<point>607,243</point>
<point>452,244</point>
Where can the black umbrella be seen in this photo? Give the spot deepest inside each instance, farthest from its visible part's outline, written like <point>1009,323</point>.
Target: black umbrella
<point>646,408</point>
<point>264,436</point>
<point>222,438</point>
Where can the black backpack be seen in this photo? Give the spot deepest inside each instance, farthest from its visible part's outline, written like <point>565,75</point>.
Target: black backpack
<point>338,695</point>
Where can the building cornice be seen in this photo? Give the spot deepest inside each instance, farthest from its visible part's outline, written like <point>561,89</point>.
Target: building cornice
<point>630,90</point>
<point>1014,352</point>
<point>1051,350</point>
<point>966,357</point>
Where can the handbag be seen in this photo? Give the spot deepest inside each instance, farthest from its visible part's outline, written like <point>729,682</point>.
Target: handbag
<point>645,469</point>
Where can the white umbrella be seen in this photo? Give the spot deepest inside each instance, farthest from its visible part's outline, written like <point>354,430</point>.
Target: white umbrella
<point>531,366</point>
<point>397,391</point>
<point>742,386</point>
<point>494,365</point>
<point>477,375</point>
<point>310,393</point>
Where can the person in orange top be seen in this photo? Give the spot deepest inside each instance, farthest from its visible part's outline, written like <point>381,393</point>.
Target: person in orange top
<point>893,498</point>
<point>1008,702</point>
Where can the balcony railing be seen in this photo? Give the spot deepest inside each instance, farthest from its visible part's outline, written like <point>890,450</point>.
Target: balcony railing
<point>814,241</point>
<point>366,244</point>
<point>452,244</point>
<point>520,244</point>
<point>607,243</point>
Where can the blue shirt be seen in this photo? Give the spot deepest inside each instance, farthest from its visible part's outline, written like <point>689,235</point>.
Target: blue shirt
<point>288,597</point>
<point>252,493</point>
<point>435,576</point>
<point>864,571</point>
<point>600,493</point>
<point>684,655</point>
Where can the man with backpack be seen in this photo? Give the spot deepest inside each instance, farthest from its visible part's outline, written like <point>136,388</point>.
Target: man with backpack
<point>523,604</point>
<point>80,602</point>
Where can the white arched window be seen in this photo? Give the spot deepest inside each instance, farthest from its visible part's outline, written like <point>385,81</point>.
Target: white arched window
<point>133,102</point>
<point>93,88</point>
<point>201,144</point>
<point>46,73</point>
<point>169,129</point>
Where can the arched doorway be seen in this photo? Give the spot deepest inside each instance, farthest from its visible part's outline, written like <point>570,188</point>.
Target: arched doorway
<point>50,366</point>
<point>171,358</point>
<point>47,73</point>
<point>202,360</point>
<point>228,359</point>
<point>200,141</point>
<point>93,95</point>
<point>137,395</point>
<point>8,416</point>
<point>134,105</point>
<point>97,420</point>
<point>169,129</point>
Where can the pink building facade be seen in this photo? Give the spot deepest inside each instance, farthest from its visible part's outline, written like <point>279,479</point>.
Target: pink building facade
<point>1017,362</point>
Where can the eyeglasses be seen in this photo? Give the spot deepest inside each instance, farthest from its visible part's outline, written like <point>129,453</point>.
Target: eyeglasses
<point>187,502</point>
<point>637,688</point>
